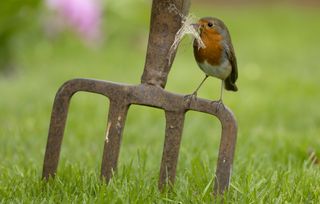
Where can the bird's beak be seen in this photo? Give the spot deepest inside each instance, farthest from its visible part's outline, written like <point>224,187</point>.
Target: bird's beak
<point>196,26</point>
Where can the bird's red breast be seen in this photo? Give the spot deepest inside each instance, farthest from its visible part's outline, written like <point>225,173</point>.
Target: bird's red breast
<point>212,53</point>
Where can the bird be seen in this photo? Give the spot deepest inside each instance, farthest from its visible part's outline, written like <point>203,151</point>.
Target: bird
<point>217,58</point>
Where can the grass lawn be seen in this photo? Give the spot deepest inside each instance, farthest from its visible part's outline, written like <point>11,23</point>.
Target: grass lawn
<point>277,109</point>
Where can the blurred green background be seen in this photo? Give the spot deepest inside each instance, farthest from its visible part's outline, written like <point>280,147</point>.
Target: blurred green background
<point>277,106</point>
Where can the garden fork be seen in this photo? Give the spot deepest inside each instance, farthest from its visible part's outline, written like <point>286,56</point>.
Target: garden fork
<point>163,27</point>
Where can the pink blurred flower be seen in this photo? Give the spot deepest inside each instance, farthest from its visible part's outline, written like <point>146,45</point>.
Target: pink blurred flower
<point>82,15</point>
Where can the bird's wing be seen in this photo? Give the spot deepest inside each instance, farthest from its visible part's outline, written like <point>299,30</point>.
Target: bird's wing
<point>233,60</point>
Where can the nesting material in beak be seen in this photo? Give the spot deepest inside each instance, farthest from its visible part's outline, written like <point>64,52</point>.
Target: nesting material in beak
<point>196,26</point>
<point>188,27</point>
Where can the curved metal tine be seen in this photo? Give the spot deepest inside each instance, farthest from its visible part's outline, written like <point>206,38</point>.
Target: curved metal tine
<point>226,155</point>
<point>227,142</point>
<point>57,124</point>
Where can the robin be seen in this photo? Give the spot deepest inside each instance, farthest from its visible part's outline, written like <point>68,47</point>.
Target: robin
<point>217,59</point>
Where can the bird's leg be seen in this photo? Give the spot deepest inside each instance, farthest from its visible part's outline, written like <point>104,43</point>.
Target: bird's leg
<point>221,91</point>
<point>196,91</point>
<point>194,94</point>
<point>220,102</point>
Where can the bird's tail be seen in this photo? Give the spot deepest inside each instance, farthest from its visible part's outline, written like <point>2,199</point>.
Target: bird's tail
<point>229,85</point>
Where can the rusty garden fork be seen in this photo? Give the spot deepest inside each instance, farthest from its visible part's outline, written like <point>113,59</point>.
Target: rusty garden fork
<point>163,27</point>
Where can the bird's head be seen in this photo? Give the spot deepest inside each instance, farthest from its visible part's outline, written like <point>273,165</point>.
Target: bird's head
<point>210,25</point>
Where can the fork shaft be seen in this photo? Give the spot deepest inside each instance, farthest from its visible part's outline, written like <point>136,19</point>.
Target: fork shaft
<point>166,19</point>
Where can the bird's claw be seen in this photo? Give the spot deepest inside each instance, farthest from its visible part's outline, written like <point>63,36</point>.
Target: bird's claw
<point>189,97</point>
<point>219,105</point>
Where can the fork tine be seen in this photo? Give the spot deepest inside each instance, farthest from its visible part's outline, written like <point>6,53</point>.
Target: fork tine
<point>57,125</point>
<point>116,121</point>
<point>174,127</point>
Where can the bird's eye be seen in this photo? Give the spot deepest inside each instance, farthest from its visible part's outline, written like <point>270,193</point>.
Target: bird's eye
<point>210,24</point>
